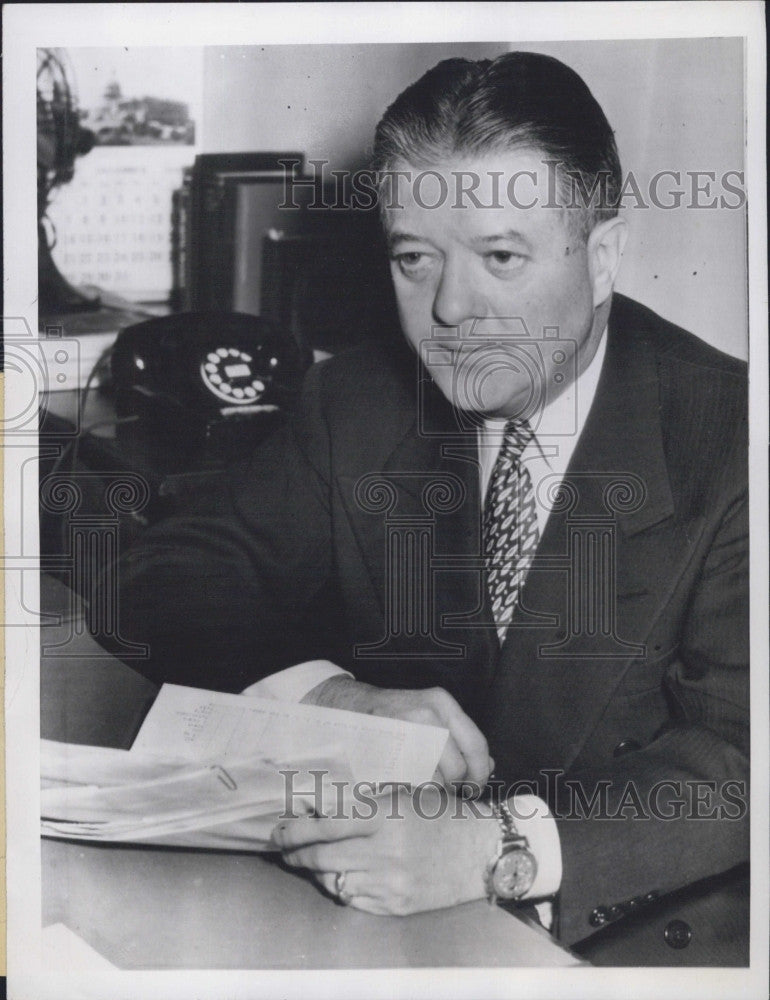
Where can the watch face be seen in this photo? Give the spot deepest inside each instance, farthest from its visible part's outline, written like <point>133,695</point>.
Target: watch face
<point>514,874</point>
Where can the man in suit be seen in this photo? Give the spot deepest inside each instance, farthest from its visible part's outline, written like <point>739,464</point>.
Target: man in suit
<point>530,528</point>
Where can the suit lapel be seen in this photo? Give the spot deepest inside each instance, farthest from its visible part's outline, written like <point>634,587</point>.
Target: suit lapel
<point>555,678</point>
<point>427,493</point>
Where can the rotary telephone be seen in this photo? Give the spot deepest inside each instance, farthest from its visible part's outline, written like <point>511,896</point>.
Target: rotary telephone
<point>212,375</point>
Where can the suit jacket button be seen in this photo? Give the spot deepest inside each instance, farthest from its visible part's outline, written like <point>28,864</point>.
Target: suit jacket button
<point>616,912</point>
<point>677,934</point>
<point>626,746</point>
<point>651,896</point>
<point>599,916</point>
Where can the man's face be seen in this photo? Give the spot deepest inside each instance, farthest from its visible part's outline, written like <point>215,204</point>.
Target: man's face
<point>497,300</point>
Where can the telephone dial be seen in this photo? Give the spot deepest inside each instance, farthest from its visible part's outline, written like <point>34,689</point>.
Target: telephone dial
<point>215,375</point>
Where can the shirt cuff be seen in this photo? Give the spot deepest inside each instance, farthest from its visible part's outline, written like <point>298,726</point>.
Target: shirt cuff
<point>535,821</point>
<point>293,683</point>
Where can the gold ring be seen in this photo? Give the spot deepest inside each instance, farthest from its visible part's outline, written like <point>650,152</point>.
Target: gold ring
<point>339,889</point>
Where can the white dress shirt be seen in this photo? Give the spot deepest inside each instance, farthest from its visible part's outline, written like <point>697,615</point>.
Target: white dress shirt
<point>547,458</point>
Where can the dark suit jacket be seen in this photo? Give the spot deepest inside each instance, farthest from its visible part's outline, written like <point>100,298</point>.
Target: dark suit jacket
<point>625,665</point>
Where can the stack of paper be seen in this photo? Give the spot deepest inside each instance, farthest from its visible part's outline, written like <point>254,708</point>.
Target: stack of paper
<point>216,770</point>
<point>119,795</point>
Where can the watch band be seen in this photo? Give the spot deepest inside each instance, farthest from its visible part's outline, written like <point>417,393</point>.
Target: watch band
<point>505,817</point>
<point>510,885</point>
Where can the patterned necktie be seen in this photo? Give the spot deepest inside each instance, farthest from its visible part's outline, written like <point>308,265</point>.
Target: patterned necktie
<point>510,524</point>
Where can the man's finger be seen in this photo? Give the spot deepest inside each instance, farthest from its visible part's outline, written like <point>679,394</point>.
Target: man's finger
<point>452,767</point>
<point>469,740</point>
<point>357,887</point>
<point>470,789</point>
<point>326,857</point>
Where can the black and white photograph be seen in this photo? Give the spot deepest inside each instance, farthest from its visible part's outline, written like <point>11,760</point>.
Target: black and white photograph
<point>385,390</point>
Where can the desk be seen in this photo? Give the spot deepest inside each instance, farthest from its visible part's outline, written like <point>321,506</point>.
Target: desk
<point>164,908</point>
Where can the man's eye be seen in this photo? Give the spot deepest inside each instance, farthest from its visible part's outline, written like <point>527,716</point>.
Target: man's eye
<point>412,262</point>
<point>504,260</point>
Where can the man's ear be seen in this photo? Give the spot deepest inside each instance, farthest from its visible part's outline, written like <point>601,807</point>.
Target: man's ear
<point>605,250</point>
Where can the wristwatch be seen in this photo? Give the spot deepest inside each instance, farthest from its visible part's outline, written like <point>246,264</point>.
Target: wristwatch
<point>512,869</point>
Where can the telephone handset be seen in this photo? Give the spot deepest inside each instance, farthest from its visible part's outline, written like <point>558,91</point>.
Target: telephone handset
<point>193,372</point>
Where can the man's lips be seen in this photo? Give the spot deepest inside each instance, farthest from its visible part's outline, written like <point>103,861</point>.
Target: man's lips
<point>465,348</point>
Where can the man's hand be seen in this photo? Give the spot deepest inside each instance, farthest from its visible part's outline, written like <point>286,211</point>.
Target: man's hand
<point>417,851</point>
<point>465,759</point>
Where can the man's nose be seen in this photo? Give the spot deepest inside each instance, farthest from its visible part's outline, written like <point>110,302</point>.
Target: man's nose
<point>456,300</point>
